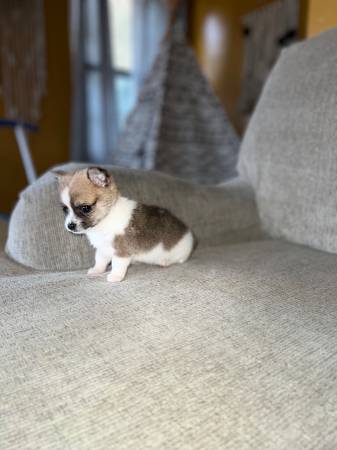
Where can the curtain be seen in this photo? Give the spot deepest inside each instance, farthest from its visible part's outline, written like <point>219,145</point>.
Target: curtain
<point>150,22</point>
<point>113,44</point>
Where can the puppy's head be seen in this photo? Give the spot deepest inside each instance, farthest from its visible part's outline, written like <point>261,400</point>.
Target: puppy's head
<point>86,197</point>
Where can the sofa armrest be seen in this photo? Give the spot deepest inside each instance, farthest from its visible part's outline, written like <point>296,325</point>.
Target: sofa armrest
<point>217,214</point>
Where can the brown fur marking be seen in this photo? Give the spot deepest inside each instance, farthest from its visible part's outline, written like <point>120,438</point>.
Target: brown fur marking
<point>149,226</point>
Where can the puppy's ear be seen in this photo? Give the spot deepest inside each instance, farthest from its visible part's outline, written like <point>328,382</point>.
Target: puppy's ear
<point>99,177</point>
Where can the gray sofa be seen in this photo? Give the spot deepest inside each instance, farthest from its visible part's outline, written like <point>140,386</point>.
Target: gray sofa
<point>235,349</point>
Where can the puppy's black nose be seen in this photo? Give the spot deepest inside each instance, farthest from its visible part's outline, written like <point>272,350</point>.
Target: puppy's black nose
<point>71,226</point>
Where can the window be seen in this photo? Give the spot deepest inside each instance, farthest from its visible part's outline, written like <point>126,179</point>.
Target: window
<point>121,20</point>
<point>118,40</point>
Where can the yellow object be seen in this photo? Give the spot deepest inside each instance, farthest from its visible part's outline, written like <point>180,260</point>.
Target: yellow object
<point>321,15</point>
<point>216,35</point>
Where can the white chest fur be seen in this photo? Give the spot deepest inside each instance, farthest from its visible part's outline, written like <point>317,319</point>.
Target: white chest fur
<point>102,235</point>
<point>115,223</point>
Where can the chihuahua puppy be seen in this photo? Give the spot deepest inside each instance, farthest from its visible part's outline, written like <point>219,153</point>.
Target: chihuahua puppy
<point>122,230</point>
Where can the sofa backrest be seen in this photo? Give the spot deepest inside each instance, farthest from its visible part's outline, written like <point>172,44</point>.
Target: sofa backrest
<point>289,152</point>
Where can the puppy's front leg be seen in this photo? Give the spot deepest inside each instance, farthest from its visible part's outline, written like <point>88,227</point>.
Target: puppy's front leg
<point>119,267</point>
<point>101,261</point>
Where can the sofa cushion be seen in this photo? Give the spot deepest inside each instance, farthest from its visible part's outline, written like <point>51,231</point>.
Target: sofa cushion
<point>37,237</point>
<point>289,153</point>
<point>8,268</point>
<point>236,349</point>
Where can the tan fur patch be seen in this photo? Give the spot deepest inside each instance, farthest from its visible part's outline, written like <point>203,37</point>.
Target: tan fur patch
<point>83,192</point>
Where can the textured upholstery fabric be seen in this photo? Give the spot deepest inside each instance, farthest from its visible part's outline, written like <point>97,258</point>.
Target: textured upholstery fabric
<point>37,237</point>
<point>235,349</point>
<point>289,153</point>
<point>8,267</point>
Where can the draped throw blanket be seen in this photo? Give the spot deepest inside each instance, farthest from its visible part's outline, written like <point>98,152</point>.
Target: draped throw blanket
<point>178,126</point>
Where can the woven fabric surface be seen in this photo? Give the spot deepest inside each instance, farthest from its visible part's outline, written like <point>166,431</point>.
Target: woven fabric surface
<point>235,349</point>
<point>178,125</point>
<point>289,151</point>
<point>37,237</point>
<point>8,267</point>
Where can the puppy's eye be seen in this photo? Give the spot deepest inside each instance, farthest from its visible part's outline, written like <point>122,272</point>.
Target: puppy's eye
<point>85,209</point>
<point>65,209</point>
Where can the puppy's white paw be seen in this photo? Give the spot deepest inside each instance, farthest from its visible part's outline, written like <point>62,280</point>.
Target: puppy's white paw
<point>115,277</point>
<point>94,272</point>
<point>165,263</point>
